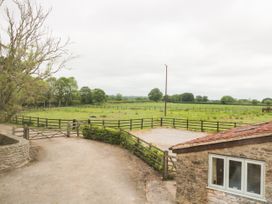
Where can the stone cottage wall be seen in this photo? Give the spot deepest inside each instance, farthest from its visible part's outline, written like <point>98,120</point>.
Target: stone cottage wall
<point>14,155</point>
<point>192,175</point>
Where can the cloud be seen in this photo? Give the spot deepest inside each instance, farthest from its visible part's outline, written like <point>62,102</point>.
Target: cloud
<point>212,47</point>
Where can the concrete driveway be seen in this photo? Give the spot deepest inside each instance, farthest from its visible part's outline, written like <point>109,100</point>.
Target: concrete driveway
<point>74,170</point>
<point>165,138</point>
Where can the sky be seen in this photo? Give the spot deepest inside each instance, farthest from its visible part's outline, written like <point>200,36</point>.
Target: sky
<point>211,47</point>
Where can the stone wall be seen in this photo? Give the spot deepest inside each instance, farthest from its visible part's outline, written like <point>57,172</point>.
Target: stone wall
<point>14,155</point>
<point>192,175</point>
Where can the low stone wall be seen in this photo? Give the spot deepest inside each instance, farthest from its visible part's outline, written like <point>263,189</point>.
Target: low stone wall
<point>14,155</point>
<point>192,175</point>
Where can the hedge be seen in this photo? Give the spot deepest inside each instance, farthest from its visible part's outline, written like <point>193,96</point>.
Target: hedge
<point>147,152</point>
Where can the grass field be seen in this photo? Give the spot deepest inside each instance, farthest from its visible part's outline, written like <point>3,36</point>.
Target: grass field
<point>247,114</point>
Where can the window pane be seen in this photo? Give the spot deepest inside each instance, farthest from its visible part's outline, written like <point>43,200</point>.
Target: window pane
<point>218,171</point>
<point>254,178</point>
<point>235,176</point>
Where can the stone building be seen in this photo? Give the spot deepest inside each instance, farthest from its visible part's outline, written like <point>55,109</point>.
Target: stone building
<point>234,166</point>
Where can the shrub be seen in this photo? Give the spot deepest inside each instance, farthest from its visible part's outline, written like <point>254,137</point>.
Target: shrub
<point>150,154</point>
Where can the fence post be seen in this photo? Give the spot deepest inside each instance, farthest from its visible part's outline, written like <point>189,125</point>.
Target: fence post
<point>46,122</point>
<point>151,122</point>
<point>77,128</point>
<point>26,132</point>
<point>130,124</point>
<point>187,124</point>
<point>165,165</point>
<point>38,122</point>
<point>16,119</point>
<point>161,122</point>
<point>68,129</point>
<point>217,126</point>
<point>59,123</point>
<point>142,123</point>
<point>23,119</point>
<point>174,123</point>
<point>103,123</point>
<point>235,124</point>
<point>13,130</point>
<point>202,128</point>
<point>119,124</point>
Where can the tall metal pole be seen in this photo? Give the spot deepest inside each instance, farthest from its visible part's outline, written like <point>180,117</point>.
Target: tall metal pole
<point>165,95</point>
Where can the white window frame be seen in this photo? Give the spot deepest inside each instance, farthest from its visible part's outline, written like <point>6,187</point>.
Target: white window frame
<point>262,190</point>
<point>228,159</point>
<point>210,171</point>
<point>243,192</point>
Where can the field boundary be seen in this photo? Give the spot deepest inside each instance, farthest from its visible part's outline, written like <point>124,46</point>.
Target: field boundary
<point>130,124</point>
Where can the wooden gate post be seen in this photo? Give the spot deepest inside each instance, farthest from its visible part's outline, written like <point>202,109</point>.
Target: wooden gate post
<point>13,130</point>
<point>77,129</point>
<point>68,129</point>
<point>165,165</point>
<point>26,132</point>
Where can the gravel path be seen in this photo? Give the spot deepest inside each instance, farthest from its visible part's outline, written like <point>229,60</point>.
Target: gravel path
<point>166,137</point>
<point>74,170</point>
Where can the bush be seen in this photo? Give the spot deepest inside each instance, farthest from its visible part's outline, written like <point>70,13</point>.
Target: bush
<point>150,154</point>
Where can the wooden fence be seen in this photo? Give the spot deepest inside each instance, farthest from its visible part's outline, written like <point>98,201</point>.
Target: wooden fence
<point>131,124</point>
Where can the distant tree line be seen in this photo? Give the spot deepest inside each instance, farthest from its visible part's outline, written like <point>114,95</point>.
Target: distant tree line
<point>61,92</point>
<point>156,95</point>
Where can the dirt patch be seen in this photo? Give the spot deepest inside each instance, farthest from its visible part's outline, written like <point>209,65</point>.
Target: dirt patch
<point>73,170</point>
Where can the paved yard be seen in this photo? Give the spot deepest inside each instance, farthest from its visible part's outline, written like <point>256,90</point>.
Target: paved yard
<point>72,170</point>
<point>166,137</point>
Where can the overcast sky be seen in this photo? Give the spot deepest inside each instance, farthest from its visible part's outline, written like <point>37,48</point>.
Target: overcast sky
<point>212,47</point>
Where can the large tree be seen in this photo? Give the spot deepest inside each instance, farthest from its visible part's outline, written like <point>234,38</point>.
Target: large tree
<point>187,97</point>
<point>85,95</point>
<point>99,96</point>
<point>155,95</point>
<point>27,49</point>
<point>227,100</point>
<point>65,89</point>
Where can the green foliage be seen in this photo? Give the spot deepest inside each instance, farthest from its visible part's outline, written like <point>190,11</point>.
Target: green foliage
<point>150,154</point>
<point>155,95</point>
<point>119,97</point>
<point>187,97</point>
<point>227,100</point>
<point>201,99</point>
<point>267,101</point>
<point>99,96</point>
<point>85,95</point>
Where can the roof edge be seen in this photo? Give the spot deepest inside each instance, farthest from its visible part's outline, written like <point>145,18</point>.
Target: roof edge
<point>256,139</point>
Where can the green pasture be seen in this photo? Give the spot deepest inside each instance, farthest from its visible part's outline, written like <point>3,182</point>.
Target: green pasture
<point>247,114</point>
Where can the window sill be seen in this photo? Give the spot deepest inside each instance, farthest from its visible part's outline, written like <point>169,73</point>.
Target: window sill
<point>238,194</point>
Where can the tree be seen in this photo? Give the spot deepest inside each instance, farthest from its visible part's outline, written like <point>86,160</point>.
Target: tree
<point>255,102</point>
<point>155,95</point>
<point>187,97</point>
<point>119,97</point>
<point>85,95</point>
<point>176,98</point>
<point>99,96</point>
<point>199,99</point>
<point>205,99</point>
<point>51,91</point>
<point>267,101</point>
<point>65,89</point>
<point>227,100</point>
<point>26,50</point>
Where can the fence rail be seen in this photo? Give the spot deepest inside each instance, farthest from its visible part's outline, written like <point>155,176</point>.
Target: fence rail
<point>131,124</point>
<point>38,128</point>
